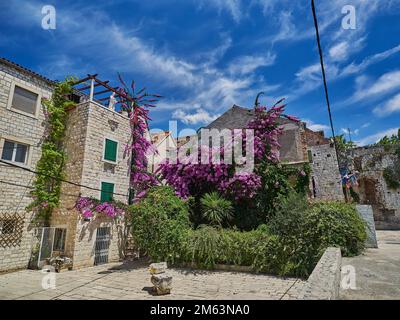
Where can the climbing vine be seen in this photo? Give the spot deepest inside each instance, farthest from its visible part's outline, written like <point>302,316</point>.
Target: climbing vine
<point>392,174</point>
<point>47,183</point>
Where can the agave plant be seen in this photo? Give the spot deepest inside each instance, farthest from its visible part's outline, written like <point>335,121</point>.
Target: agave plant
<point>215,209</point>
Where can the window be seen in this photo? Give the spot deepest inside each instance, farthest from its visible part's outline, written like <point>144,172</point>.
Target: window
<point>59,239</point>
<point>8,226</point>
<point>310,159</point>
<point>107,190</point>
<point>14,151</point>
<point>24,100</point>
<point>110,150</point>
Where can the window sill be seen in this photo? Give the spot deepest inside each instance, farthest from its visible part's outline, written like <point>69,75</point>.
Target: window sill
<point>30,115</point>
<point>110,162</point>
<point>19,164</point>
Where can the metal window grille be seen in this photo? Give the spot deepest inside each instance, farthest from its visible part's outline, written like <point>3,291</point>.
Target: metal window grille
<point>102,245</point>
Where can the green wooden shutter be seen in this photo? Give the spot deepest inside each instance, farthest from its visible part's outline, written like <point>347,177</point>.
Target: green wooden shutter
<point>110,151</point>
<point>107,190</point>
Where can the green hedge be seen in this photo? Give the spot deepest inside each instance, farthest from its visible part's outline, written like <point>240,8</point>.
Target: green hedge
<point>291,244</point>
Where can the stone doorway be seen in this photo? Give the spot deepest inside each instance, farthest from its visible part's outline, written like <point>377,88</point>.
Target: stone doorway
<point>368,193</point>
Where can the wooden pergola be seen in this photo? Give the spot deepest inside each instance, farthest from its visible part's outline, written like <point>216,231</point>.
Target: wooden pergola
<point>100,91</point>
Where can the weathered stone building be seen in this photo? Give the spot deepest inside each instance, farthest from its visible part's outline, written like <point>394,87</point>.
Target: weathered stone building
<point>298,145</point>
<point>21,135</point>
<point>368,163</point>
<point>90,129</point>
<point>96,166</point>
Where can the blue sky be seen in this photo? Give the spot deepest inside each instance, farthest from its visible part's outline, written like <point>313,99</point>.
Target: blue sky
<point>204,56</point>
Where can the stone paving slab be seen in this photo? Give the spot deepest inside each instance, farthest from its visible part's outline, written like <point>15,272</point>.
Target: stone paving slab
<point>377,271</point>
<point>131,280</point>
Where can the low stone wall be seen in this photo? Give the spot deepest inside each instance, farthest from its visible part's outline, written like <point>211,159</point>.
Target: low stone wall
<point>324,281</point>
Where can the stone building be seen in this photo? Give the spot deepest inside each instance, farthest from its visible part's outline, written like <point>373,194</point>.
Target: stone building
<point>96,167</point>
<point>368,163</point>
<point>21,136</point>
<point>94,143</point>
<point>163,144</point>
<point>299,145</point>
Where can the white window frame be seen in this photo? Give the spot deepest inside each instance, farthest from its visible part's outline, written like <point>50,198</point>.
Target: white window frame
<point>65,239</point>
<point>108,181</point>
<point>104,150</point>
<point>14,140</point>
<point>33,90</point>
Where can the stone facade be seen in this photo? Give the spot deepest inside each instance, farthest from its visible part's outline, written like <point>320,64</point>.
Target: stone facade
<point>368,163</point>
<point>88,126</point>
<point>28,130</point>
<point>163,144</point>
<point>325,177</point>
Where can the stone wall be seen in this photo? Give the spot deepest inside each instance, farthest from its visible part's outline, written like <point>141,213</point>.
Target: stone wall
<point>293,142</point>
<point>324,281</point>
<point>26,129</point>
<point>368,163</point>
<point>315,138</point>
<point>88,125</point>
<point>325,176</point>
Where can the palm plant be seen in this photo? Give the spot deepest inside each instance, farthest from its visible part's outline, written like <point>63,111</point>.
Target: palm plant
<point>216,209</point>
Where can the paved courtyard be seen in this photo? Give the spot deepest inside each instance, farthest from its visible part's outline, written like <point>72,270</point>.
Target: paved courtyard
<point>377,270</point>
<point>132,281</point>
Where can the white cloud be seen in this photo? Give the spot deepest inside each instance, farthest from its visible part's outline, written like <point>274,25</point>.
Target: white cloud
<point>200,116</point>
<point>366,125</point>
<point>315,126</point>
<point>368,61</point>
<point>344,49</point>
<point>384,84</point>
<point>391,106</point>
<point>339,51</point>
<point>233,7</point>
<point>247,64</point>
<point>376,137</point>
<point>348,131</point>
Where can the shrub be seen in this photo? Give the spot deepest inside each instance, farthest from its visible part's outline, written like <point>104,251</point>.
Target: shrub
<point>203,246</point>
<point>306,231</point>
<point>160,224</point>
<point>290,244</point>
<point>215,209</point>
<point>336,224</point>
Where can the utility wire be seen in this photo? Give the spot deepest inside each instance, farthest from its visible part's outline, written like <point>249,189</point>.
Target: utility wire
<point>321,59</point>
<point>59,179</point>
<point>31,187</point>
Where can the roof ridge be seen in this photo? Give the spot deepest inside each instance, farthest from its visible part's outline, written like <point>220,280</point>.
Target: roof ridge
<point>29,71</point>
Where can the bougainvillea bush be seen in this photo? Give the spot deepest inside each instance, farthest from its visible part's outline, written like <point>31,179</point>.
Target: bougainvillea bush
<point>137,105</point>
<point>89,207</point>
<point>253,193</point>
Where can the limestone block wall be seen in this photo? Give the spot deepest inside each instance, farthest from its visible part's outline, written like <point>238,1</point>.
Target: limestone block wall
<point>26,129</point>
<point>324,281</point>
<point>88,126</point>
<point>74,146</point>
<point>369,163</point>
<point>293,142</point>
<point>325,173</point>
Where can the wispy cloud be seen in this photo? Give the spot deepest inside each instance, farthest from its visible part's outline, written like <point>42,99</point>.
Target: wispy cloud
<point>376,137</point>
<point>233,7</point>
<point>386,83</point>
<point>315,126</point>
<point>200,116</point>
<point>247,64</point>
<point>389,107</point>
